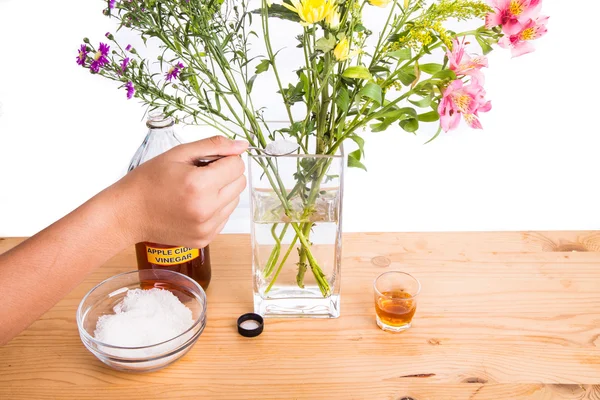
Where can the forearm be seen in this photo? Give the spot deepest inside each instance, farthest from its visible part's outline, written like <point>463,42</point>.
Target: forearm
<point>43,269</point>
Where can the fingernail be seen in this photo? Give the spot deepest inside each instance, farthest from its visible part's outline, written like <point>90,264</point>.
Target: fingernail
<point>241,143</point>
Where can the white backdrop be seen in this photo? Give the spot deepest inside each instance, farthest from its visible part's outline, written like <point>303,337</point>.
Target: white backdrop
<point>64,135</point>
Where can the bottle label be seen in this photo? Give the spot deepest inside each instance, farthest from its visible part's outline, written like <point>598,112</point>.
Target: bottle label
<point>171,256</point>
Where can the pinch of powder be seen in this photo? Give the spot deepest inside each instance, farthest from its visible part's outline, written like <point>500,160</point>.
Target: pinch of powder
<point>249,325</point>
<point>280,147</point>
<point>144,318</point>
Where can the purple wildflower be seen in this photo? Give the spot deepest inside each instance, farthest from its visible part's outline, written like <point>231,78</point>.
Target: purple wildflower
<point>174,71</point>
<point>82,55</point>
<point>111,4</point>
<point>130,89</point>
<point>128,48</point>
<point>100,59</point>
<point>124,64</point>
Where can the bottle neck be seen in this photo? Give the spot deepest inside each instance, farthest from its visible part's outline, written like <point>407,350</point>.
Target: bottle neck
<point>159,121</point>
<point>160,126</point>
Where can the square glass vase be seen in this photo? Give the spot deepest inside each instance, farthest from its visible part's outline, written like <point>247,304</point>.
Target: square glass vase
<point>296,210</point>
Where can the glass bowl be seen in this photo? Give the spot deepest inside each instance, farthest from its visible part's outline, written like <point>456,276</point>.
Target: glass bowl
<point>102,299</point>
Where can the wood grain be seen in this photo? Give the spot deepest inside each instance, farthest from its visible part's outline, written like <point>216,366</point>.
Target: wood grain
<point>507,315</point>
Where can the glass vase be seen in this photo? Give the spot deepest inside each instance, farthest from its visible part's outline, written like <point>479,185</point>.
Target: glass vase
<point>296,205</point>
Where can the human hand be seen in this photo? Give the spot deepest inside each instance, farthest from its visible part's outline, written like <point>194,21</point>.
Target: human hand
<point>170,201</point>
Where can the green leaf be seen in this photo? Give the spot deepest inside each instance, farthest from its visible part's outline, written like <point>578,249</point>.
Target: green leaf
<point>297,93</point>
<point>402,54</point>
<point>225,41</point>
<point>262,66</point>
<point>357,72</point>
<point>423,89</point>
<point>435,136</point>
<point>397,36</point>
<point>389,117</point>
<point>409,125</point>
<point>245,62</point>
<point>378,68</point>
<point>354,160</point>
<point>343,99</point>
<point>423,103</point>
<point>431,68</point>
<point>177,45</point>
<point>485,46</point>
<point>406,78</point>
<point>251,83</point>
<point>305,82</point>
<point>431,116</point>
<point>400,113</point>
<point>360,142</point>
<point>293,94</point>
<point>373,92</point>
<point>445,74</point>
<point>325,44</point>
<point>194,83</point>
<point>279,11</point>
<point>381,127</point>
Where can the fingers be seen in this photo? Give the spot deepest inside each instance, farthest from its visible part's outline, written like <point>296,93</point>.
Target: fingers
<point>233,190</point>
<point>224,213</point>
<point>221,227</point>
<point>217,231</point>
<point>213,146</point>
<point>220,218</point>
<point>223,172</point>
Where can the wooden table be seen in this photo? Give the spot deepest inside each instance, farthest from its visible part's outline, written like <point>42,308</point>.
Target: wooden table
<point>501,316</point>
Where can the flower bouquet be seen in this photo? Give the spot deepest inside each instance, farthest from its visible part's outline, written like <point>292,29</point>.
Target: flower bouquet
<point>349,77</point>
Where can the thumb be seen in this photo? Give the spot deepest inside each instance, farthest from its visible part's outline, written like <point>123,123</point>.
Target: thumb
<point>213,146</point>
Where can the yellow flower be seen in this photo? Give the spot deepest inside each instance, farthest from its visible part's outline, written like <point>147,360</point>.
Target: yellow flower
<point>312,11</point>
<point>333,20</point>
<point>380,3</point>
<point>342,50</point>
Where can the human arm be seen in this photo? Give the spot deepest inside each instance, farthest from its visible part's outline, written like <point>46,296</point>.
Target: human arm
<point>165,200</point>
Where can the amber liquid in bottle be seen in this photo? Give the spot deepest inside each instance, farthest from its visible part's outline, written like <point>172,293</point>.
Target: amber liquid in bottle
<point>395,308</point>
<point>194,263</point>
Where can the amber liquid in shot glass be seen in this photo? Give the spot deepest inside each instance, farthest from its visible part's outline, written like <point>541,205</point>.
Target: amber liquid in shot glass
<point>395,300</point>
<point>395,308</point>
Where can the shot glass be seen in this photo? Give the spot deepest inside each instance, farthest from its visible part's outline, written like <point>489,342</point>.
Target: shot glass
<point>395,300</point>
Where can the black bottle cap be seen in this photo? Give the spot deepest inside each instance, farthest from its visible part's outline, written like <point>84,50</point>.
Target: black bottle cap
<point>250,325</point>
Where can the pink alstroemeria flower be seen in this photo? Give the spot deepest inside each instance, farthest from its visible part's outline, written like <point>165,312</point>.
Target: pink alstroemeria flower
<point>466,100</point>
<point>520,43</point>
<point>463,64</point>
<point>512,14</point>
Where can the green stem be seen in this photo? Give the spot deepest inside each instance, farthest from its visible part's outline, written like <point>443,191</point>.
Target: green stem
<point>302,263</point>
<point>324,286</point>
<point>274,256</point>
<point>285,257</point>
<point>382,34</point>
<point>265,25</point>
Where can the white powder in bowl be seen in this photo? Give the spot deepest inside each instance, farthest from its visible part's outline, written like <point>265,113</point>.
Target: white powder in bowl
<point>144,318</point>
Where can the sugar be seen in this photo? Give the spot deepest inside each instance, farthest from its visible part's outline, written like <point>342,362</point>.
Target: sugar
<point>144,318</point>
<point>281,147</point>
<point>249,325</point>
